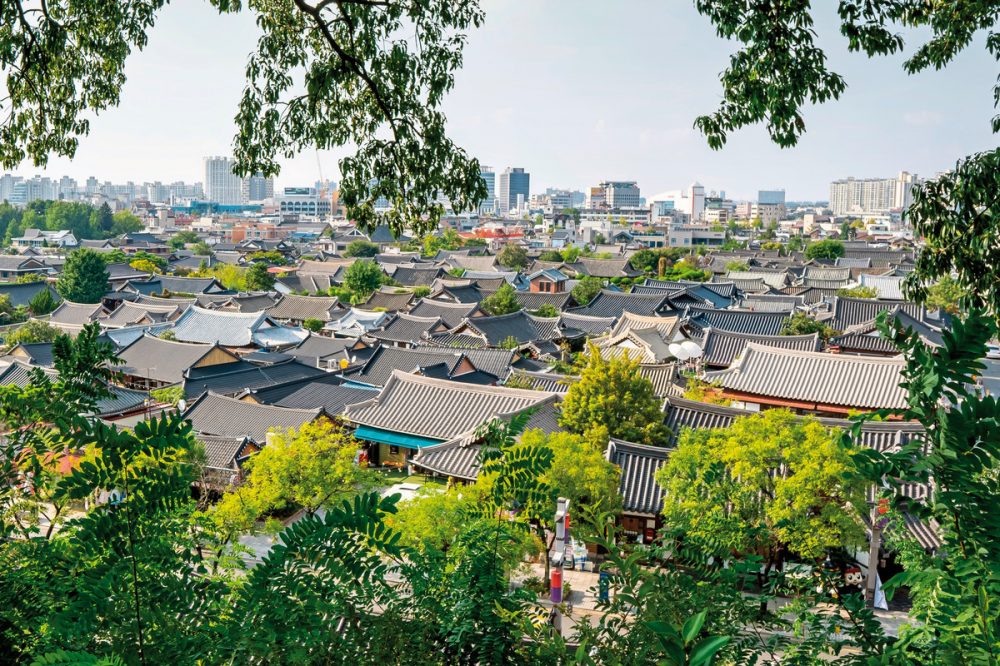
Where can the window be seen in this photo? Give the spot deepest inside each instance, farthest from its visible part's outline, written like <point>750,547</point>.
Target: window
<point>393,450</point>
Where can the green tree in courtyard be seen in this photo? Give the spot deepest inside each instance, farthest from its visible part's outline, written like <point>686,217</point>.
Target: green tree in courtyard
<point>586,290</point>
<point>84,278</point>
<point>502,301</point>
<point>361,248</point>
<point>611,394</point>
<point>362,278</point>
<point>43,302</point>
<point>258,278</point>
<point>825,249</point>
<point>513,256</point>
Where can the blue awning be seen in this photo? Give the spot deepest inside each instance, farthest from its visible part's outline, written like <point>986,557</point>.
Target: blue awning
<point>380,436</point>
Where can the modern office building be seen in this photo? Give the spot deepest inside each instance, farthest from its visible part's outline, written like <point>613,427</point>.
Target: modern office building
<point>488,205</point>
<point>690,201</point>
<point>621,193</point>
<point>222,186</point>
<point>257,188</point>
<point>513,185</point>
<point>304,201</point>
<point>771,197</point>
<point>859,196</point>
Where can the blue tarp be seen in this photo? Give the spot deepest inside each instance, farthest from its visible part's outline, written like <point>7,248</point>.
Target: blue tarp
<point>394,438</point>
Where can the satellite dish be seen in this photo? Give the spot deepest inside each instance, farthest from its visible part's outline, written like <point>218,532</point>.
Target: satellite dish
<point>677,351</point>
<point>692,349</point>
<point>182,405</point>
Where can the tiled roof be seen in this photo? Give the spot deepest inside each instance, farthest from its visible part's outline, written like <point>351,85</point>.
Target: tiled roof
<point>738,321</point>
<point>120,401</point>
<point>856,262</point>
<point>519,325</point>
<point>825,273</point>
<point>816,378</point>
<point>392,302</point>
<point>34,353</point>
<point>605,268</point>
<point>774,279</point>
<point>214,414</point>
<point>413,276</point>
<point>129,314</point>
<point>317,348</point>
<point>590,326</point>
<point>459,457</point>
<point>76,314</point>
<point>637,485</point>
<point>772,303</point>
<point>532,300</point>
<point>407,328</point>
<point>175,284</point>
<point>161,360</point>
<point>230,329</point>
<point>438,408</point>
<point>887,287</point>
<point>226,380</point>
<point>663,377</point>
<point>824,284</point>
<point>496,362</point>
<point>613,303</point>
<point>22,293</point>
<point>300,308</point>
<point>326,392</point>
<point>451,314</point>
<point>377,370</point>
<point>848,312</point>
<point>721,348</point>
<point>544,381</point>
<point>754,285</point>
<point>357,322</point>
<point>308,282</point>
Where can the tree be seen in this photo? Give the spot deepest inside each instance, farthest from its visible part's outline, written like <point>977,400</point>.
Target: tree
<point>570,254</point>
<point>946,294</point>
<point>363,277</point>
<point>737,266</point>
<point>28,278</point>
<point>825,249</point>
<point>551,255</point>
<point>802,324</point>
<point>84,278</point>
<point>715,479</point>
<point>307,468</point>
<point>145,265</point>
<point>202,249</point>
<point>361,248</point>
<point>502,301</point>
<point>103,220</point>
<point>586,290</point>
<point>33,330</point>
<point>421,291</point>
<point>125,223</point>
<point>512,255</point>
<point>182,238</point>
<point>546,310</point>
<point>43,302</point>
<point>271,257</point>
<point>613,395</point>
<point>314,325</point>
<point>859,291</point>
<point>258,278</point>
<point>579,470</point>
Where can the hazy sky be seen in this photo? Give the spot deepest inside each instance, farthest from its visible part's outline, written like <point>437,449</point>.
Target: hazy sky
<point>574,91</point>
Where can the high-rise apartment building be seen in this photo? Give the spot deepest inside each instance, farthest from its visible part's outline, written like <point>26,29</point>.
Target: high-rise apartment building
<point>621,193</point>
<point>222,186</point>
<point>488,205</point>
<point>257,188</point>
<point>513,185</point>
<point>872,195</point>
<point>771,197</point>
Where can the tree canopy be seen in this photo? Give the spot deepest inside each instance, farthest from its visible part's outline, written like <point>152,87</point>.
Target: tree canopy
<point>512,255</point>
<point>611,394</point>
<point>84,278</point>
<point>363,277</point>
<point>825,249</point>
<point>502,301</point>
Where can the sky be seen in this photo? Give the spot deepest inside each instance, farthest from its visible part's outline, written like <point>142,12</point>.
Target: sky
<point>573,91</point>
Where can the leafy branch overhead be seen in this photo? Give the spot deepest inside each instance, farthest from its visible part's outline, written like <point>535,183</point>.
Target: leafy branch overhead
<point>779,68</point>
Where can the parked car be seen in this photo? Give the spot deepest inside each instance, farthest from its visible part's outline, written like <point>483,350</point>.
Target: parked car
<point>993,350</point>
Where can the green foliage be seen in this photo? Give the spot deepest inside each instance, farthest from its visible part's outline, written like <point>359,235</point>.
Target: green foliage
<point>802,324</point>
<point>551,255</point>
<point>361,248</point>
<point>715,479</point>
<point>145,266</point>
<point>586,290</point>
<point>436,242</point>
<point>183,238</point>
<point>271,257</point>
<point>858,292</point>
<point>258,278</point>
<point>28,278</point>
<point>502,301</point>
<point>737,266</point>
<point>33,330</point>
<point>579,470</point>
<point>513,256</point>
<point>43,303</point>
<point>170,395</point>
<point>314,325</point>
<point>701,391</point>
<point>611,394</point>
<point>168,334</point>
<point>421,291</point>
<point>125,222</point>
<point>308,468</point>
<point>956,590</point>
<point>202,249</point>
<point>946,294</point>
<point>825,249</point>
<point>546,310</point>
<point>363,277</point>
<point>84,278</point>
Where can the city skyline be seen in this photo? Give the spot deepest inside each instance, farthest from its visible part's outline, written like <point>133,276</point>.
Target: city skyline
<point>563,109</point>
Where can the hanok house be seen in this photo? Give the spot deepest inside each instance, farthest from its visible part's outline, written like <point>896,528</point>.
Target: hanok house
<point>642,496</point>
<point>151,362</point>
<point>547,281</point>
<point>413,412</point>
<point>811,382</point>
<point>13,267</point>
